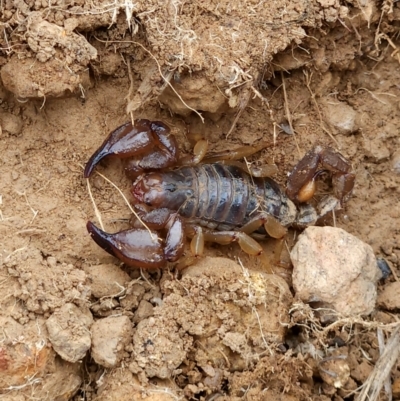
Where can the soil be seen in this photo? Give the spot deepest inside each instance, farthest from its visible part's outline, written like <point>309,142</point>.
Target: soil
<point>294,73</point>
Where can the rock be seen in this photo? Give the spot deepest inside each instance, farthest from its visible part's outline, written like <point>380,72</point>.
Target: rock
<point>335,369</point>
<point>109,338</point>
<point>21,355</point>
<point>133,296</point>
<point>61,382</point>
<point>57,380</point>
<point>361,371</point>
<point>339,116</point>
<point>396,388</point>
<point>10,124</point>
<point>395,162</point>
<point>375,149</point>
<point>145,310</point>
<point>197,92</point>
<point>69,332</point>
<point>107,280</point>
<point>336,269</point>
<point>120,384</point>
<point>159,355</point>
<point>389,298</point>
<point>49,41</point>
<point>27,80</point>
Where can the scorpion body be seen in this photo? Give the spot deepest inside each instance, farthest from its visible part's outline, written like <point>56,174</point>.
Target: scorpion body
<point>218,196</point>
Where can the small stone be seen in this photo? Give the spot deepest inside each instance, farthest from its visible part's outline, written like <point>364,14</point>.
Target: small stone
<point>335,370</point>
<point>395,162</point>
<point>145,310</point>
<point>22,354</point>
<point>389,298</point>
<point>33,81</point>
<point>69,332</point>
<point>197,92</point>
<point>375,149</point>
<point>396,388</point>
<point>340,116</point>
<point>361,372</point>
<point>109,338</point>
<point>159,355</point>
<point>336,269</point>
<point>10,124</point>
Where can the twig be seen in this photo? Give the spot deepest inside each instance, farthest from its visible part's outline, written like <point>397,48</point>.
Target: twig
<point>288,114</point>
<point>381,371</point>
<point>153,237</point>
<point>308,82</point>
<point>96,210</point>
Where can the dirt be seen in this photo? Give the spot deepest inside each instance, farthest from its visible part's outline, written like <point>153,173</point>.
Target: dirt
<point>294,73</point>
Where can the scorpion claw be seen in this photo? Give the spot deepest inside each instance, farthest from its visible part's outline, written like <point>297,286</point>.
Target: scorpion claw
<point>126,141</point>
<point>301,184</point>
<point>148,145</point>
<point>135,247</point>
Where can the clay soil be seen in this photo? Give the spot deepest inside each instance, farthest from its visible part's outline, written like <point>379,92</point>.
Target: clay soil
<point>295,74</point>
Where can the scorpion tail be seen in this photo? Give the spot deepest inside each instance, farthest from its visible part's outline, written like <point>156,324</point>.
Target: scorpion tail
<point>135,247</point>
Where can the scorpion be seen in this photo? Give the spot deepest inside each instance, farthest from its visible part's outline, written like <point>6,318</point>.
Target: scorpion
<point>208,198</point>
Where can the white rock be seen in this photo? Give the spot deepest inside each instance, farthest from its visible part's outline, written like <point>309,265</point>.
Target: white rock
<point>395,162</point>
<point>336,269</point>
<point>69,332</point>
<point>340,116</point>
<point>109,338</point>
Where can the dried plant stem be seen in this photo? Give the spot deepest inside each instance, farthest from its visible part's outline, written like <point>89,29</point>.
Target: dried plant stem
<point>288,114</point>
<point>381,371</point>
<point>128,204</point>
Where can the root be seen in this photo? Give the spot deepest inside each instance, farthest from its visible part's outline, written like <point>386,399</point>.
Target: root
<point>98,214</point>
<point>288,114</point>
<point>380,374</point>
<point>312,324</point>
<point>308,84</point>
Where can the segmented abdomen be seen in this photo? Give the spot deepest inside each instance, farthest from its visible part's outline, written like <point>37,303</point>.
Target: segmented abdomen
<point>224,197</point>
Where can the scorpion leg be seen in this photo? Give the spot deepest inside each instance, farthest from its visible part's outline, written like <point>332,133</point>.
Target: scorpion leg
<point>235,154</point>
<point>271,224</point>
<point>301,184</point>
<point>199,151</point>
<point>246,243</point>
<point>231,156</point>
<point>200,235</point>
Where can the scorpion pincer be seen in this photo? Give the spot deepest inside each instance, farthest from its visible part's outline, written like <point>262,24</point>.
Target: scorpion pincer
<point>208,201</point>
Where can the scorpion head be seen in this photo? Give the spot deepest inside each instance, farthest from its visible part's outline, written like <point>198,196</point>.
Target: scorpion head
<point>160,190</point>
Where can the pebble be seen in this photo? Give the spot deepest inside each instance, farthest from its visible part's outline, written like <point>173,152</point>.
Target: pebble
<point>11,124</point>
<point>69,334</point>
<point>336,269</point>
<point>389,298</point>
<point>395,162</point>
<point>334,369</point>
<point>110,336</point>
<point>340,116</point>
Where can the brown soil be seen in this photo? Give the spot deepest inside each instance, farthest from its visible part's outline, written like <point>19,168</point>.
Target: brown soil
<point>245,71</point>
